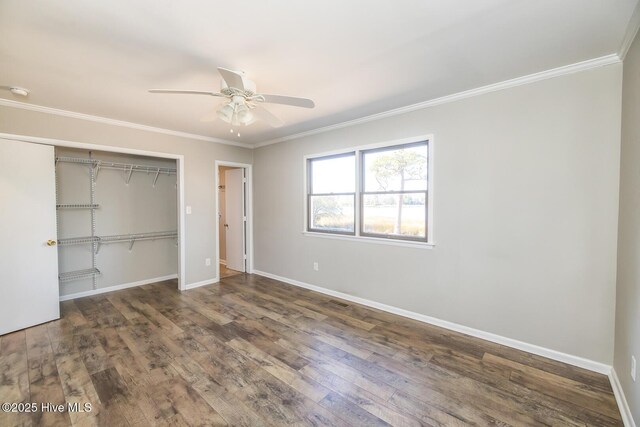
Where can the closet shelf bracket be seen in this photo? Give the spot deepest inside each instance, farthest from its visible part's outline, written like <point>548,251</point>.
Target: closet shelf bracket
<point>156,178</point>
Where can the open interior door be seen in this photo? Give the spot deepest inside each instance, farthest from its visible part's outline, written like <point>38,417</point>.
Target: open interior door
<point>28,255</point>
<point>235,218</point>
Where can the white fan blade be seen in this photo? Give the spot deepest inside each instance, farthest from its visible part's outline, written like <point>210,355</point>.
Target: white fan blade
<point>188,92</point>
<point>288,100</point>
<point>232,78</point>
<point>263,114</point>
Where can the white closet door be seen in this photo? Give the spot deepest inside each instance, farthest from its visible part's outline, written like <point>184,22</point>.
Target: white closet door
<point>234,215</point>
<point>28,265</point>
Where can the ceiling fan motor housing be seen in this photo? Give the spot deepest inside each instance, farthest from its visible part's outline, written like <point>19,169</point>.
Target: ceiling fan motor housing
<point>249,86</point>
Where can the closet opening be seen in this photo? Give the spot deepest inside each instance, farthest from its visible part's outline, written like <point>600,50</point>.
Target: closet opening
<point>117,219</point>
<point>233,218</point>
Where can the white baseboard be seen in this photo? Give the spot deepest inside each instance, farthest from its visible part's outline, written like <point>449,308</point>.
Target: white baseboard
<point>509,342</point>
<point>202,283</point>
<point>223,261</point>
<point>116,287</point>
<point>625,411</point>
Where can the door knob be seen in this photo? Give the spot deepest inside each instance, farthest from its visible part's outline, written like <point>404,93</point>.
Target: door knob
<point>51,242</point>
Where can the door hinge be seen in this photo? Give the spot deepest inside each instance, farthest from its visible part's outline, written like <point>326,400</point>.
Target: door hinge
<point>244,218</point>
<point>245,256</point>
<point>244,179</point>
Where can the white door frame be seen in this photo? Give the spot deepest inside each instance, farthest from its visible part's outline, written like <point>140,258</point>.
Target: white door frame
<point>249,207</point>
<point>179,158</point>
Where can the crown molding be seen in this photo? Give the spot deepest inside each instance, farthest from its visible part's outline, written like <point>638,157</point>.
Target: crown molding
<point>632,29</point>
<point>120,123</point>
<point>531,78</point>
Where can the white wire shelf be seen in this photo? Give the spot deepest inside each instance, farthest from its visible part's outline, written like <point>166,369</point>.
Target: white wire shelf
<point>136,168</point>
<point>78,241</point>
<point>74,160</point>
<point>78,274</point>
<point>78,206</point>
<point>138,236</point>
<point>127,168</point>
<point>130,238</point>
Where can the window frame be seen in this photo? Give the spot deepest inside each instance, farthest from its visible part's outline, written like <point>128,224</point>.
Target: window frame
<point>359,234</point>
<point>363,193</point>
<point>309,187</point>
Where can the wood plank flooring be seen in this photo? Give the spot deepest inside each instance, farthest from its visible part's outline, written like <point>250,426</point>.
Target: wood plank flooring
<point>227,272</point>
<point>251,351</point>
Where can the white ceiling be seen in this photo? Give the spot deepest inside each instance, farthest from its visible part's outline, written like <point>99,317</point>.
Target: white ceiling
<point>354,58</point>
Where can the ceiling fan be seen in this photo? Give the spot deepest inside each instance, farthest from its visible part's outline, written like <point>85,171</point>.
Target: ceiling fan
<point>243,106</point>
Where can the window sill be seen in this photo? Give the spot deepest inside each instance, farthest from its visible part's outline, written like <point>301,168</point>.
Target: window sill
<point>374,240</point>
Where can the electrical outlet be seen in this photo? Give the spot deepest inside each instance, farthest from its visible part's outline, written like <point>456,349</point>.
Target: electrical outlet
<point>207,261</point>
<point>188,210</point>
<point>633,368</point>
<point>315,266</point>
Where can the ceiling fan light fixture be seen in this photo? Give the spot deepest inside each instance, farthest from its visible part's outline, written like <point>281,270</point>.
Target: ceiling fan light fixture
<point>226,113</point>
<point>243,114</point>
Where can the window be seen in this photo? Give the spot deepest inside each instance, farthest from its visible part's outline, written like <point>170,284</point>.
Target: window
<point>380,192</point>
<point>394,192</point>
<point>331,196</point>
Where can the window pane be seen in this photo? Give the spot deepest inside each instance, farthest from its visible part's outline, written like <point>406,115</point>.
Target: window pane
<point>332,213</point>
<point>403,169</point>
<point>333,175</point>
<point>383,214</point>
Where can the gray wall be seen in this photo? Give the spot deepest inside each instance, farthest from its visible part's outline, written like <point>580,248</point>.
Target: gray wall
<point>136,207</point>
<point>627,341</point>
<point>200,192</point>
<point>526,210</point>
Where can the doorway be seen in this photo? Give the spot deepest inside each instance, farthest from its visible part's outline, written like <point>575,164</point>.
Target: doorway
<point>126,206</point>
<point>178,158</point>
<point>233,219</point>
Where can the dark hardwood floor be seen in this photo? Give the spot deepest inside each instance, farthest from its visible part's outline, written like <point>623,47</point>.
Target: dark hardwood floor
<point>253,351</point>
